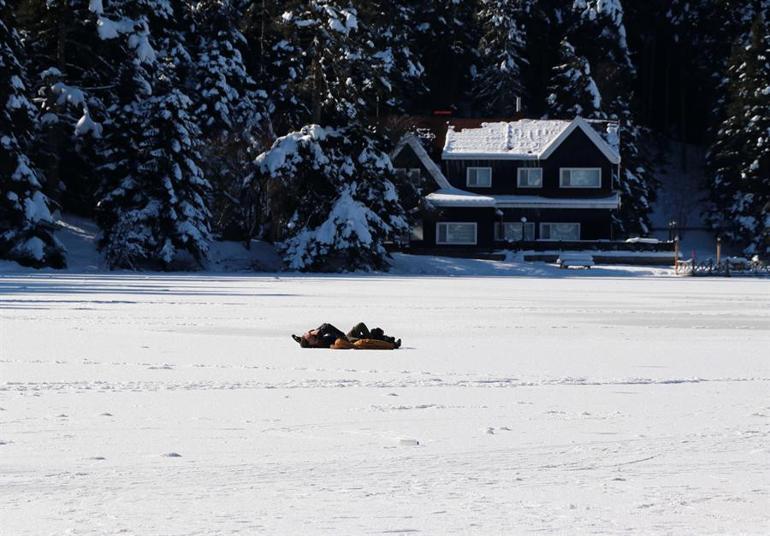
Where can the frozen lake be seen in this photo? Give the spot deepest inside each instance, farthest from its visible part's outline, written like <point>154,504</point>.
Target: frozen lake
<point>179,405</point>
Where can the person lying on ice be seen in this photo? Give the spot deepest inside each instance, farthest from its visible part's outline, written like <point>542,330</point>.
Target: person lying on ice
<point>359,337</point>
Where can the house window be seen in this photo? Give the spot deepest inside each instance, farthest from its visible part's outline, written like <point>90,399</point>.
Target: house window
<point>514,232</point>
<point>580,178</point>
<point>560,231</point>
<point>456,233</point>
<point>530,178</point>
<point>478,177</point>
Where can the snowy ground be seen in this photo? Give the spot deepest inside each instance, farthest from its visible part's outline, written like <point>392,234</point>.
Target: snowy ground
<point>177,404</point>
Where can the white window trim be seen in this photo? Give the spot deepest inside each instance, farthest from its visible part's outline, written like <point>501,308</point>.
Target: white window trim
<point>541,239</point>
<point>468,177</point>
<point>524,225</point>
<point>519,177</point>
<point>447,243</point>
<point>561,177</point>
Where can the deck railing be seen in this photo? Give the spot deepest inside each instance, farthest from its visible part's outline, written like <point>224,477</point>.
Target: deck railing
<point>727,268</point>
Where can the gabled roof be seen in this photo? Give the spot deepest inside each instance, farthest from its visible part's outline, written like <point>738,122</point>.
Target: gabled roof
<point>525,139</point>
<point>435,172</point>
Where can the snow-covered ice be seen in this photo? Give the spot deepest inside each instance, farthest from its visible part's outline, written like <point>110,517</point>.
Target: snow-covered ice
<point>178,404</point>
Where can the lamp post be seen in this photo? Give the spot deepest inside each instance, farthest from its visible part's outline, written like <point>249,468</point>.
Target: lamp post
<point>523,222</point>
<point>672,230</point>
<point>719,249</point>
<point>499,214</point>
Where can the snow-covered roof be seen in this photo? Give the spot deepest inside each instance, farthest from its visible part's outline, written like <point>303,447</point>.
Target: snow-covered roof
<point>435,171</point>
<point>525,139</point>
<point>454,197</point>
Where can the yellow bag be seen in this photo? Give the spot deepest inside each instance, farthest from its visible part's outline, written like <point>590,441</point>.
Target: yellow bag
<point>342,344</point>
<point>373,344</point>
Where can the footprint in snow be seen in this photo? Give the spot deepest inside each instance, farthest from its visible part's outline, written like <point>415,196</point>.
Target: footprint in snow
<point>98,458</point>
<point>172,455</point>
<point>105,414</point>
<point>406,442</point>
<point>491,431</point>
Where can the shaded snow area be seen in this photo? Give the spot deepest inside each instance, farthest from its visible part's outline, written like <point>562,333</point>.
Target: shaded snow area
<point>682,197</point>
<point>178,404</point>
<point>80,236</point>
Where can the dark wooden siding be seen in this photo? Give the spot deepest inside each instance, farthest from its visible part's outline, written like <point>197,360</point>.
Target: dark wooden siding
<point>576,151</point>
<point>484,218</point>
<point>595,224</point>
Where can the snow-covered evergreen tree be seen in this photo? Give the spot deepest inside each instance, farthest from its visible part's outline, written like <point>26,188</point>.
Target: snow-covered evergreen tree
<point>333,198</point>
<point>391,25</point>
<point>497,78</point>
<point>739,160</point>
<point>325,65</point>
<point>159,210</point>
<point>73,73</point>
<point>600,35</point>
<point>233,113</point>
<point>154,210</point>
<point>26,225</point>
<point>572,90</point>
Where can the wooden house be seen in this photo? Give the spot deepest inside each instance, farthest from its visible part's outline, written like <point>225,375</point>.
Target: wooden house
<point>503,183</point>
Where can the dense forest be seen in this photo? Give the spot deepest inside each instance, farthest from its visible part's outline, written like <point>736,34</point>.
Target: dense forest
<point>175,122</point>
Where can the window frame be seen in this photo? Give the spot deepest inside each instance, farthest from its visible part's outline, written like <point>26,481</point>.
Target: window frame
<point>579,231</point>
<point>448,243</point>
<point>527,169</point>
<point>468,177</point>
<point>524,226</point>
<point>561,177</point>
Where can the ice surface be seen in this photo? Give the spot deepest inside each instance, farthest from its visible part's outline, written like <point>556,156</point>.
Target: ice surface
<point>617,405</point>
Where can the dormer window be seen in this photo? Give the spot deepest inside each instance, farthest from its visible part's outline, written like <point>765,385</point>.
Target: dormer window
<point>478,177</point>
<point>530,178</point>
<point>580,177</point>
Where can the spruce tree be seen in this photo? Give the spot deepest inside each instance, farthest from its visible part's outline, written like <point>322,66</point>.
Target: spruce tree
<point>572,91</point>
<point>73,71</point>
<point>497,77</point>
<point>26,225</point>
<point>155,207</point>
<point>739,160</point>
<point>230,108</point>
<point>600,35</point>
<point>335,205</point>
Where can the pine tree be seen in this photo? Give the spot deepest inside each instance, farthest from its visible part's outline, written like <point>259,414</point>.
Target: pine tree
<point>572,90</point>
<point>325,68</point>
<point>159,210</point>
<point>333,199</point>
<point>497,79</point>
<point>26,225</point>
<point>446,39</point>
<point>154,210</point>
<point>73,70</point>
<point>600,35</point>
<point>232,112</point>
<point>391,25</point>
<point>739,160</point>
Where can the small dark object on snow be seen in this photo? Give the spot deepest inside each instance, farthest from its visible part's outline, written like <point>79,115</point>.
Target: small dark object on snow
<point>325,336</point>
